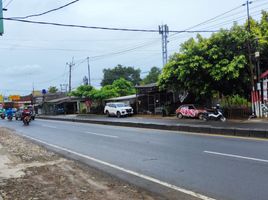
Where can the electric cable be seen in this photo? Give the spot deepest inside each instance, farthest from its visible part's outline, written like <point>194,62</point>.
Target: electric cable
<point>8,3</point>
<point>206,21</point>
<point>49,11</point>
<point>253,14</point>
<point>103,28</point>
<point>222,16</point>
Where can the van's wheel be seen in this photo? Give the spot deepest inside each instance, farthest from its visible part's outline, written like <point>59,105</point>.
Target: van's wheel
<point>179,115</point>
<point>118,114</point>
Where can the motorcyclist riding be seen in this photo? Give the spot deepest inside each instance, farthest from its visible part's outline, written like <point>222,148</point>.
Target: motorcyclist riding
<point>9,113</point>
<point>26,116</point>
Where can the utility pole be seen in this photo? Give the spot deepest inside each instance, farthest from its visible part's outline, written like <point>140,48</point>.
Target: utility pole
<point>88,68</point>
<point>251,68</point>
<point>249,44</point>
<point>1,20</point>
<point>247,3</point>
<point>71,64</point>
<point>164,31</point>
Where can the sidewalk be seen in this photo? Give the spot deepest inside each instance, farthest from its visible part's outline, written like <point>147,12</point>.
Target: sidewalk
<point>247,128</point>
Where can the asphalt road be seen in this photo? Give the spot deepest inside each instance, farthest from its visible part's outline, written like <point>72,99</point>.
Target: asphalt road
<point>215,166</point>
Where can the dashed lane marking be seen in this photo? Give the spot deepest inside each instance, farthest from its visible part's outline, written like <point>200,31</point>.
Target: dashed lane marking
<point>236,156</point>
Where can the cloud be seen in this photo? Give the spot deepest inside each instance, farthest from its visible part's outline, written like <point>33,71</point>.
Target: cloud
<point>23,70</point>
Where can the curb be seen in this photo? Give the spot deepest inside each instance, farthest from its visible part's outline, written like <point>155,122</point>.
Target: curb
<point>239,132</point>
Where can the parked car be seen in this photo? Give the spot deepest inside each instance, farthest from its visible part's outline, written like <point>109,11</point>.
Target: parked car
<point>59,111</point>
<point>118,109</point>
<point>191,110</point>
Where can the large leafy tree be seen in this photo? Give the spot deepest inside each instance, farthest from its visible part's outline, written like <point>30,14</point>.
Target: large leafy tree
<point>128,73</point>
<point>82,91</point>
<point>120,87</point>
<point>260,32</point>
<point>52,89</point>
<point>105,92</point>
<point>123,87</point>
<point>152,77</point>
<point>218,64</point>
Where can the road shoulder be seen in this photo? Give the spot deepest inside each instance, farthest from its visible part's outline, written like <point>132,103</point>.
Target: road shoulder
<point>29,171</point>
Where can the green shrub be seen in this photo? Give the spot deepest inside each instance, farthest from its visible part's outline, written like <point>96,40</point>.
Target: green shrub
<point>235,101</point>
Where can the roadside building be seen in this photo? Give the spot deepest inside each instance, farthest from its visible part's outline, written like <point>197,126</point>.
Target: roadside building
<point>63,105</point>
<point>151,100</point>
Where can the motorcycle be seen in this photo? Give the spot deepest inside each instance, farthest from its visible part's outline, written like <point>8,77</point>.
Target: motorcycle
<point>26,120</point>
<point>26,117</point>
<point>216,115</point>
<point>3,115</point>
<point>9,115</point>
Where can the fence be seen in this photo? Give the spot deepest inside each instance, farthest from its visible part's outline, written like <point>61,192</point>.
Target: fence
<point>237,113</point>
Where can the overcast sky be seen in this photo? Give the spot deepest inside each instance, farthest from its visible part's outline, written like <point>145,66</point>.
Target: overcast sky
<point>36,55</point>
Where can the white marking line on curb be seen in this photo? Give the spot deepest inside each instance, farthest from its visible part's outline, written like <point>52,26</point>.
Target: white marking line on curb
<point>103,135</point>
<point>236,156</point>
<point>174,187</point>
<point>48,126</point>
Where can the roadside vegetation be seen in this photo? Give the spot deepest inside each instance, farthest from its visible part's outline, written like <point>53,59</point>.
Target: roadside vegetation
<point>216,67</point>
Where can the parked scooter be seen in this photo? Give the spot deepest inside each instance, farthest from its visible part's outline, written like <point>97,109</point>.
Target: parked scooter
<point>216,115</point>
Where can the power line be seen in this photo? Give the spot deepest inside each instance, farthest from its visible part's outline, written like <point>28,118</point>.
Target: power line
<point>237,13</point>
<point>242,17</point>
<point>104,28</point>
<point>97,57</point>
<point>8,3</point>
<point>49,11</point>
<point>206,21</point>
<point>222,14</point>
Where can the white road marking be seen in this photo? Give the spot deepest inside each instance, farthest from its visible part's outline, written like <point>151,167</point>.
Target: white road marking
<point>236,156</point>
<point>148,178</point>
<point>102,135</point>
<point>48,126</point>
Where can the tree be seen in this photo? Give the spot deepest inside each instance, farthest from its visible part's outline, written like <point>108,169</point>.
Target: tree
<point>120,87</point>
<point>52,89</point>
<point>105,92</point>
<point>260,33</point>
<point>152,77</point>
<point>82,91</point>
<point>128,73</point>
<point>218,64</point>
<point>123,87</point>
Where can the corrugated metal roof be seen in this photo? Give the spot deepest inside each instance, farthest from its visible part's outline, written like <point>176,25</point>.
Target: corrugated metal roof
<point>133,96</point>
<point>63,99</point>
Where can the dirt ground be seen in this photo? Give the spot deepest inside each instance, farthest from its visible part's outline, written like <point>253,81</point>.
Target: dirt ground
<point>28,171</point>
